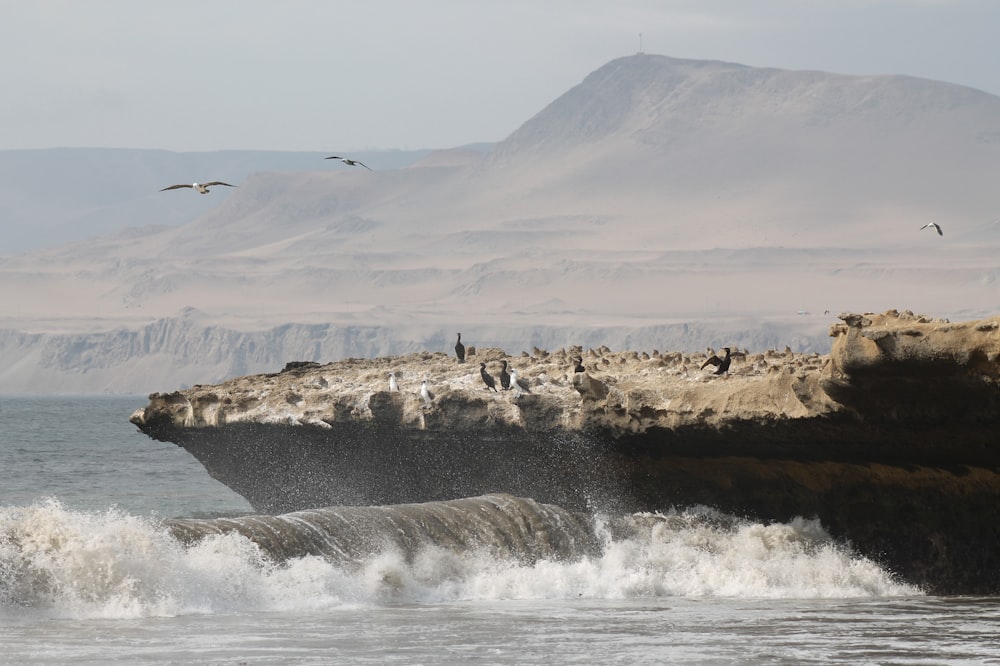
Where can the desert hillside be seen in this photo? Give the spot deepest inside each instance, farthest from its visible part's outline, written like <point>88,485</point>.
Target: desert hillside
<point>657,197</point>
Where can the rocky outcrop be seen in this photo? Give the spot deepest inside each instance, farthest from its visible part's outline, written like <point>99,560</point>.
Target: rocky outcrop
<point>890,440</point>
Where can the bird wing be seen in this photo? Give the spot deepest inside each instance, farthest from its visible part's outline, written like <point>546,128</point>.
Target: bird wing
<point>940,233</point>
<point>712,360</point>
<point>333,157</point>
<point>174,187</point>
<point>363,164</point>
<point>217,182</point>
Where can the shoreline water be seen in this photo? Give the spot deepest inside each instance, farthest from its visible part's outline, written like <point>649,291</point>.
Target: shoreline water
<point>108,584</point>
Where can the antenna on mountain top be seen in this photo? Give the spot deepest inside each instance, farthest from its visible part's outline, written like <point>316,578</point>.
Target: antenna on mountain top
<point>640,43</point>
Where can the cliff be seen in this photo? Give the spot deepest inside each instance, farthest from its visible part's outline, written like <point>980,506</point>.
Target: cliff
<point>189,347</point>
<point>889,440</point>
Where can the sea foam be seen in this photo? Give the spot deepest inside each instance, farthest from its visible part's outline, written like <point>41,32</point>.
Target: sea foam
<point>63,563</point>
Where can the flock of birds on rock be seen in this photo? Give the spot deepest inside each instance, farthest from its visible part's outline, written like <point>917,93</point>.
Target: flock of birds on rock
<point>677,364</point>
<point>604,360</point>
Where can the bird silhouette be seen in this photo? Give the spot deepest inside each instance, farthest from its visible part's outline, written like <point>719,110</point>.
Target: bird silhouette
<point>487,378</point>
<point>935,226</point>
<point>504,376</point>
<point>722,364</point>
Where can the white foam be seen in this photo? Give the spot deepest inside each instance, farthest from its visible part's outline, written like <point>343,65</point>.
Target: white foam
<point>64,563</point>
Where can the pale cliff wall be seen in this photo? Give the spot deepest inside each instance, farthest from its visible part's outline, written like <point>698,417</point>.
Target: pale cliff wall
<point>182,351</point>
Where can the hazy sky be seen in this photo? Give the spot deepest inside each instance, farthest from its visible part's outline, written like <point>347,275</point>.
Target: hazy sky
<point>381,74</point>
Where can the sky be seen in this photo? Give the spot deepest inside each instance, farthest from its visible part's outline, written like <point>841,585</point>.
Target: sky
<point>338,75</point>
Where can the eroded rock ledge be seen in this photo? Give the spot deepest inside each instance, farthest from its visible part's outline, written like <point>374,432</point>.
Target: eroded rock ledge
<point>890,440</point>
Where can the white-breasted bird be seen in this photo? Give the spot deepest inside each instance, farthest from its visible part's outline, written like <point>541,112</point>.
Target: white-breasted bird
<point>517,384</point>
<point>349,162</point>
<point>393,385</point>
<point>425,393</point>
<point>201,188</point>
<point>935,226</point>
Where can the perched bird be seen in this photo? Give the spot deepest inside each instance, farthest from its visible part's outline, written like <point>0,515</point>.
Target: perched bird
<point>393,385</point>
<point>349,162</point>
<point>460,349</point>
<point>578,364</point>
<point>487,378</point>
<point>722,364</point>
<point>425,393</point>
<point>517,383</point>
<point>504,376</point>
<point>935,226</point>
<point>201,188</point>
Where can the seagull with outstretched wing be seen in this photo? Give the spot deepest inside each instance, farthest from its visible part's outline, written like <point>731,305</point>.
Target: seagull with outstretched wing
<point>349,162</point>
<point>201,188</point>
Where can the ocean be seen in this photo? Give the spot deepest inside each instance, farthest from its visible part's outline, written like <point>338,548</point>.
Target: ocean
<point>117,549</point>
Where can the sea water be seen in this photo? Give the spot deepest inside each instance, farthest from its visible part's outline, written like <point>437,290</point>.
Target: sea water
<point>91,573</point>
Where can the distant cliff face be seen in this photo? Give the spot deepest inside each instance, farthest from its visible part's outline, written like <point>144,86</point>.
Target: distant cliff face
<point>186,349</point>
<point>842,437</point>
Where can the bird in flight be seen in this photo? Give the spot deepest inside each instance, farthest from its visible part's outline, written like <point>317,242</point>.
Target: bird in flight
<point>200,187</point>
<point>935,226</point>
<point>349,162</point>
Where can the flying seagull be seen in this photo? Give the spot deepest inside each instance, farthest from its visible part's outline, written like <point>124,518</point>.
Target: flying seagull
<point>200,187</point>
<point>349,162</point>
<point>935,226</point>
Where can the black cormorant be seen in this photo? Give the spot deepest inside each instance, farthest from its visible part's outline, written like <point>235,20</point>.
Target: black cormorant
<point>504,377</point>
<point>722,364</point>
<point>487,378</point>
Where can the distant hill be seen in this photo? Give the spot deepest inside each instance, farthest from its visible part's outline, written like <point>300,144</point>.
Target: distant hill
<point>657,197</point>
<point>753,156</point>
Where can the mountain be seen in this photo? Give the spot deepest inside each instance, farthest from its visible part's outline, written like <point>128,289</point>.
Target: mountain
<point>658,194</point>
<point>764,156</point>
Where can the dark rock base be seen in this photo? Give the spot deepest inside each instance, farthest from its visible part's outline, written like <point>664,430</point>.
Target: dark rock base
<point>922,503</point>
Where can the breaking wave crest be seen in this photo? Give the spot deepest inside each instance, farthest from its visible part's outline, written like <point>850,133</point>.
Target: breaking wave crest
<point>64,563</point>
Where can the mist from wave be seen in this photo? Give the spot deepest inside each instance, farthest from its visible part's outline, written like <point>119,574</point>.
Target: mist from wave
<point>64,563</point>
